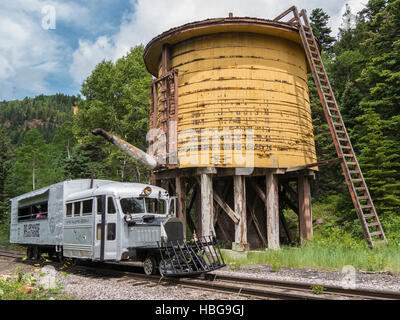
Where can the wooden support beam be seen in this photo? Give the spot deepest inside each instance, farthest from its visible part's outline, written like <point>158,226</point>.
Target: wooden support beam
<point>180,189</point>
<point>258,190</point>
<point>256,223</point>
<point>305,212</point>
<point>189,219</point>
<point>272,211</point>
<point>224,232</point>
<point>165,57</point>
<point>285,225</point>
<point>224,195</point>
<point>199,214</point>
<point>206,187</point>
<point>232,214</point>
<point>290,203</point>
<point>239,183</point>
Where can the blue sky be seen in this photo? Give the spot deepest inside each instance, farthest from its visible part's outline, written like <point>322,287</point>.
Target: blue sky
<point>35,59</point>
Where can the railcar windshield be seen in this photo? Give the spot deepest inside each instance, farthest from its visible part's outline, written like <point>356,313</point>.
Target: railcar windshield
<point>143,205</point>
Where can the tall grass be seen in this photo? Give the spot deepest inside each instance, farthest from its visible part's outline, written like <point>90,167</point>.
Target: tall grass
<point>323,257</point>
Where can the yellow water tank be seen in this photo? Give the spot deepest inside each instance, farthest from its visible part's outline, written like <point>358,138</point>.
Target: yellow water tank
<point>243,90</point>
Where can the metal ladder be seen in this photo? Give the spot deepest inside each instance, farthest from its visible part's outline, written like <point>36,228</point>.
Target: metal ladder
<point>371,226</point>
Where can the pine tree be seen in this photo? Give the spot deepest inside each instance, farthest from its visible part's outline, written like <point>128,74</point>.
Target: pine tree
<point>32,169</point>
<point>381,166</point>
<point>117,100</point>
<point>319,23</point>
<point>5,171</point>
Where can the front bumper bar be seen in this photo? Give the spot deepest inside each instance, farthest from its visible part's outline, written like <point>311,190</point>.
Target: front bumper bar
<point>180,258</point>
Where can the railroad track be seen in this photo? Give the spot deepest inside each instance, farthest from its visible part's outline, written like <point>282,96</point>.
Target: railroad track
<point>253,288</point>
<point>11,254</point>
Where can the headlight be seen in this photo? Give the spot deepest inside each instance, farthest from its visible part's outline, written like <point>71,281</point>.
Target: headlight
<point>128,218</point>
<point>146,192</point>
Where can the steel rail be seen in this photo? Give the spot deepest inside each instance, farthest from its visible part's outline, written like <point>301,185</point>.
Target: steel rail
<point>360,293</point>
<point>11,254</point>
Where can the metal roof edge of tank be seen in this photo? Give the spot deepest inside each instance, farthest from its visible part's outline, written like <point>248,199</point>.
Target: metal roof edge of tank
<point>153,49</point>
<point>111,187</point>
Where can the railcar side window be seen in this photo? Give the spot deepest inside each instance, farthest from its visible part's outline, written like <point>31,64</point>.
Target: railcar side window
<point>110,205</point>
<point>69,209</point>
<point>24,214</point>
<point>111,227</point>
<point>87,207</point>
<point>77,209</point>
<point>33,212</point>
<point>99,205</point>
<point>98,231</point>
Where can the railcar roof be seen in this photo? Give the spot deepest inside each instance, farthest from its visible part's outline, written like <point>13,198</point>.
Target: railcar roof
<point>100,187</point>
<point>120,188</point>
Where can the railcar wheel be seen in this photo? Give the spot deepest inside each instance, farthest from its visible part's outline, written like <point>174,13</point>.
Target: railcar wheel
<point>150,266</point>
<point>162,265</point>
<point>36,253</point>
<point>29,253</point>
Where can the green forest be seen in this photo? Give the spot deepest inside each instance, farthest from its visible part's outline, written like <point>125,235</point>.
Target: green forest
<point>43,142</point>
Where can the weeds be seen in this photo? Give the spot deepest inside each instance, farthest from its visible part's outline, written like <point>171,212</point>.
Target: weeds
<point>315,256</point>
<point>317,289</point>
<point>24,286</point>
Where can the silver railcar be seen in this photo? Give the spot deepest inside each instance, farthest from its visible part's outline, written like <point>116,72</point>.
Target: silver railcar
<point>103,220</point>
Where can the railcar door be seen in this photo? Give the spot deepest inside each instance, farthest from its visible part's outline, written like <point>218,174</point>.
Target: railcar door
<point>105,247</point>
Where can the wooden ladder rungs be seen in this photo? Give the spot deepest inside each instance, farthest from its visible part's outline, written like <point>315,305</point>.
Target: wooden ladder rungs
<point>374,234</point>
<point>374,243</point>
<point>367,206</point>
<point>374,224</point>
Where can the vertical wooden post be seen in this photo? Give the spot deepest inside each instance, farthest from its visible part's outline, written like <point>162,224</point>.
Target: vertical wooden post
<point>165,56</point>
<point>199,215</point>
<point>154,180</point>
<point>165,98</point>
<point>240,208</point>
<point>272,210</point>
<point>206,187</point>
<point>305,212</point>
<point>181,194</point>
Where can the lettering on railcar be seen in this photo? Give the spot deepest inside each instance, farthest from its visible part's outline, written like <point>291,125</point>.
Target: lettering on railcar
<point>52,225</point>
<point>32,230</point>
<point>77,221</point>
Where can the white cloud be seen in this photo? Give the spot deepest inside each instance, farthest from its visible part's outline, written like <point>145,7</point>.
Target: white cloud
<point>147,19</point>
<point>88,55</point>
<point>28,53</point>
<point>337,20</point>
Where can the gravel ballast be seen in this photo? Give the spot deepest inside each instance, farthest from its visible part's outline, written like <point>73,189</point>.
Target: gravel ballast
<point>84,287</point>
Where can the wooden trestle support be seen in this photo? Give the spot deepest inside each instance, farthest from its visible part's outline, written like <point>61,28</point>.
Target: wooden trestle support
<point>241,210</point>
